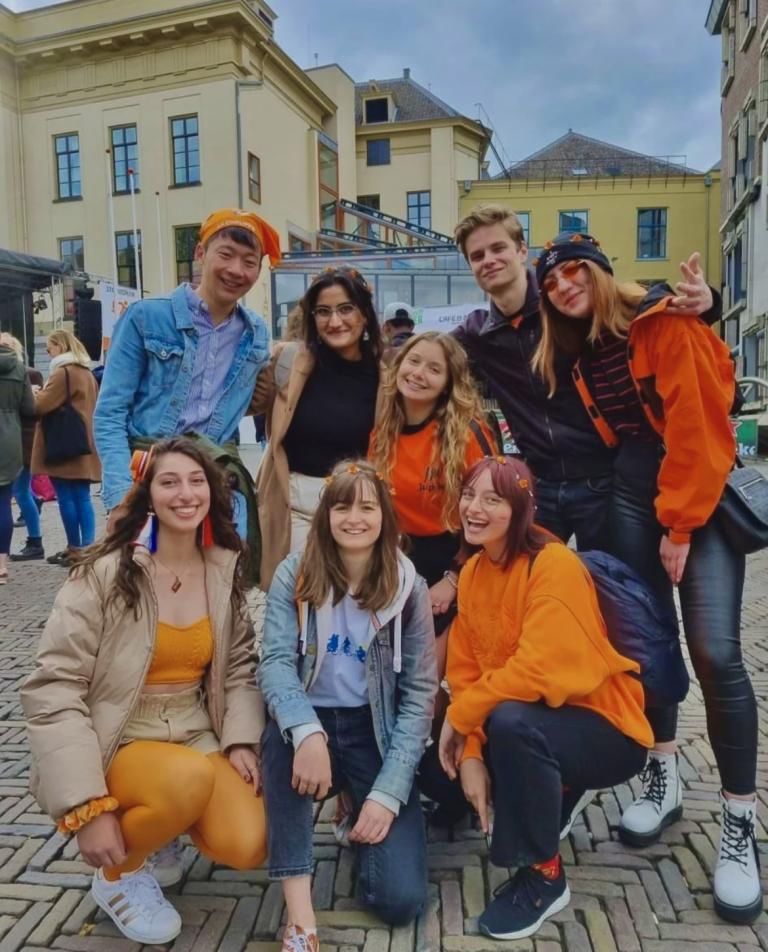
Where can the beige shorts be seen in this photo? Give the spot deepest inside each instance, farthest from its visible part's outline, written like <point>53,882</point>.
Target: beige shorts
<point>305,494</point>
<point>173,718</point>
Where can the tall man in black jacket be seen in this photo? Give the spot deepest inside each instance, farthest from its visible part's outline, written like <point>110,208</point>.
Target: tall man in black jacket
<point>571,463</point>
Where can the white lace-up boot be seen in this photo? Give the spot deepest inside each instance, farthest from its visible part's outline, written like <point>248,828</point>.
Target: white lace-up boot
<point>737,891</point>
<point>658,806</point>
<point>137,906</point>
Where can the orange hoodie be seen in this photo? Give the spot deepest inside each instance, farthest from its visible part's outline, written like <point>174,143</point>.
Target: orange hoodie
<point>684,376</point>
<point>535,633</point>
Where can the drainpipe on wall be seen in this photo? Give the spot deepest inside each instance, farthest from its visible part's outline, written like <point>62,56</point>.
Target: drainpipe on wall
<point>244,84</point>
<point>708,187</point>
<point>25,234</point>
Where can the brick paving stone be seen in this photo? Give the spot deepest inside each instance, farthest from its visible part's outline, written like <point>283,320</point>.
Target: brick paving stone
<point>656,899</point>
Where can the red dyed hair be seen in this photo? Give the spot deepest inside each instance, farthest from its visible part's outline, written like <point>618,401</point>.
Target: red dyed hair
<point>513,481</point>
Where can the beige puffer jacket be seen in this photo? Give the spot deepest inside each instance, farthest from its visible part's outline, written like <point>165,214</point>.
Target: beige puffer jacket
<point>91,667</point>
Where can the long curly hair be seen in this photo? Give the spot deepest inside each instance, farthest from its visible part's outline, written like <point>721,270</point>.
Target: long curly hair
<point>322,569</point>
<point>126,588</point>
<point>456,407</point>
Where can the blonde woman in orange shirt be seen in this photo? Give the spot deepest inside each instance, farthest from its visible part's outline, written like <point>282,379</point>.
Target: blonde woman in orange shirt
<point>542,706</point>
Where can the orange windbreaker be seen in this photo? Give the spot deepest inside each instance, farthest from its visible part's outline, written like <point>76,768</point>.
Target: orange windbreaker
<point>684,376</point>
<point>535,633</point>
<point>419,486</point>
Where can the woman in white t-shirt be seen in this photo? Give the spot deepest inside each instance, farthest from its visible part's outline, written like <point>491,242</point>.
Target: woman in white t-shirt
<point>349,677</point>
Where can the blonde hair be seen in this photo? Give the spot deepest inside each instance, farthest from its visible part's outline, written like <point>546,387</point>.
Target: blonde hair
<point>614,306</point>
<point>8,340</point>
<point>488,215</point>
<point>70,344</point>
<point>455,410</point>
<point>321,569</point>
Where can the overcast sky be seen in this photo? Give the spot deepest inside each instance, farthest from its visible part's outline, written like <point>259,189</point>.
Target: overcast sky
<point>643,74</point>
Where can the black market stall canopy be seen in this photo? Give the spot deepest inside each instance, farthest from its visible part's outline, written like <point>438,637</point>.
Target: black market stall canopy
<point>21,275</point>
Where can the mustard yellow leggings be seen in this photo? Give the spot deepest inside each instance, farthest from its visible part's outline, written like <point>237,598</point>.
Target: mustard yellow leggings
<point>166,789</point>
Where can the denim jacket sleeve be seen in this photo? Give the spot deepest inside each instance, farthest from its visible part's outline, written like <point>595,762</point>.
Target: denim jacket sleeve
<point>416,690</point>
<point>125,367</point>
<point>278,674</point>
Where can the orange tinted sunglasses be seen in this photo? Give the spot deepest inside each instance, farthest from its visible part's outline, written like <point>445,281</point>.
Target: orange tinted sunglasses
<point>567,270</point>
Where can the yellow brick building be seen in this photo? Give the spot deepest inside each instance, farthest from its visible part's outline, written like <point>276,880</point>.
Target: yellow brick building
<point>649,213</point>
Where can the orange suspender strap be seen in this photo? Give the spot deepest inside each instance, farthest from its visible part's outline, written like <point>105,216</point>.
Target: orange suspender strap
<point>600,423</point>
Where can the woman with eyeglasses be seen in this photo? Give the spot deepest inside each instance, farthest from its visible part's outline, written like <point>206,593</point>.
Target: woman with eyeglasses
<point>319,395</point>
<point>661,387</point>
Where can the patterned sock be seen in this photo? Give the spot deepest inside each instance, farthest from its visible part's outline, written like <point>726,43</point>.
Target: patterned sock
<point>550,869</point>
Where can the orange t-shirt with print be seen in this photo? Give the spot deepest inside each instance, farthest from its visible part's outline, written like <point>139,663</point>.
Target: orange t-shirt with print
<point>418,483</point>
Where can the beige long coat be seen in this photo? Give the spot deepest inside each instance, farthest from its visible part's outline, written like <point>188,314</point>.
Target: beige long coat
<point>91,667</point>
<point>278,401</point>
<point>84,392</point>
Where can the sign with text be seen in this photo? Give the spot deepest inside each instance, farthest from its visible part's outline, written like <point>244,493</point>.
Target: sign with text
<point>114,302</point>
<point>444,318</point>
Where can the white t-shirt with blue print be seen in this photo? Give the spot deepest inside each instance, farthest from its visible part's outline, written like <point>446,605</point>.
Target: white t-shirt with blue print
<point>341,680</point>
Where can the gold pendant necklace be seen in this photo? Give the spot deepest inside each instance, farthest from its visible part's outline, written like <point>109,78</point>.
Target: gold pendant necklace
<point>176,578</point>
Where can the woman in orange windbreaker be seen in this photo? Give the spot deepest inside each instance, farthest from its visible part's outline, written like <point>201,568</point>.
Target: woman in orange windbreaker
<point>542,706</point>
<point>660,387</point>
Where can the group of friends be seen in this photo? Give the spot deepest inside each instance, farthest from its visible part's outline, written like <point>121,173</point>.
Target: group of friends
<point>427,633</point>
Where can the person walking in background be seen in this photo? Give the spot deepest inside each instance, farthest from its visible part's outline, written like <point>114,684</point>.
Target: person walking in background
<point>319,395</point>
<point>397,324</point>
<point>352,706</point>
<point>28,503</point>
<point>662,388</point>
<point>70,381</point>
<point>17,406</point>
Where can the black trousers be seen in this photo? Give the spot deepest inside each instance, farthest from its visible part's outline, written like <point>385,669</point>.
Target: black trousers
<point>541,760</point>
<point>710,599</point>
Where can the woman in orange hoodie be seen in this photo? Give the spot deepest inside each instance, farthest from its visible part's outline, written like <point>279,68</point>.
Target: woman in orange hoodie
<point>542,706</point>
<point>661,388</point>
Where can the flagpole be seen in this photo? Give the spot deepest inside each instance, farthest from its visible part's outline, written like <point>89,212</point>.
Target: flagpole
<point>136,259</point>
<point>111,214</point>
<point>160,242</point>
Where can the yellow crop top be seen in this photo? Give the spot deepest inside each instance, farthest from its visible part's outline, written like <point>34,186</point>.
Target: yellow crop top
<point>181,654</point>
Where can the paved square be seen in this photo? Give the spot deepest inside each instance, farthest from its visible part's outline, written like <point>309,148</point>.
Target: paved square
<point>653,900</point>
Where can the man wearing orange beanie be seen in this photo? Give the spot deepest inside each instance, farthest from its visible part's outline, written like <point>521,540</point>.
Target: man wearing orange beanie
<point>188,362</point>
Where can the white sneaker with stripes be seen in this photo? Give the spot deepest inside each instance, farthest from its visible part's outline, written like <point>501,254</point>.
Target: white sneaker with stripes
<point>136,905</point>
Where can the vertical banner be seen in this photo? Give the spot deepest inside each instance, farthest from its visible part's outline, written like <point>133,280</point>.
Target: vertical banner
<point>114,301</point>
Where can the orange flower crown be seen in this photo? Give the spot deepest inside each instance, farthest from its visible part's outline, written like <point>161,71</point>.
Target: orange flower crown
<point>522,481</point>
<point>353,469</point>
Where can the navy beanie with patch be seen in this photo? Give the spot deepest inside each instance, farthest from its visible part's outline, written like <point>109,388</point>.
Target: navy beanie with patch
<point>569,246</point>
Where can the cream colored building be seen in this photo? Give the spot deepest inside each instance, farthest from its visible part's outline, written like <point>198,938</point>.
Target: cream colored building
<point>207,110</point>
<point>197,99</point>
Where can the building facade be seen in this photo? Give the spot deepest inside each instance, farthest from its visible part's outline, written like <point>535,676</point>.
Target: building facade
<point>742,26</point>
<point>649,213</point>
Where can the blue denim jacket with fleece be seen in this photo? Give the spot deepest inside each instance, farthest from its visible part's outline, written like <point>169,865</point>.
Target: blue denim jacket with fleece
<point>147,380</point>
<point>401,672</point>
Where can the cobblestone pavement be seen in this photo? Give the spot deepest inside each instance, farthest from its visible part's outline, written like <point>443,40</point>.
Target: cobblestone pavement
<point>653,900</point>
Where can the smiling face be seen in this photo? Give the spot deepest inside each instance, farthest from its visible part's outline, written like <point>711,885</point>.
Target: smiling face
<point>229,270</point>
<point>180,494</point>
<point>422,376</point>
<point>339,322</point>
<point>497,262</point>
<point>485,516</point>
<point>355,526</point>
<point>569,289</point>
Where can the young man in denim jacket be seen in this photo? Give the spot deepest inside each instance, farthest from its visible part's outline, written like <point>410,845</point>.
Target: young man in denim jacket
<point>187,362</point>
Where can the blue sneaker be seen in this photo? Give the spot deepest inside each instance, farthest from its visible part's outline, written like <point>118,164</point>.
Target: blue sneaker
<point>520,905</point>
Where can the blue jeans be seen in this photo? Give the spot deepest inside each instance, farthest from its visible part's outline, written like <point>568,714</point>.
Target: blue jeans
<point>575,506</point>
<point>23,496</point>
<point>391,875</point>
<point>76,508</point>
<point>6,518</point>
